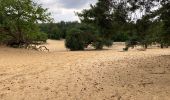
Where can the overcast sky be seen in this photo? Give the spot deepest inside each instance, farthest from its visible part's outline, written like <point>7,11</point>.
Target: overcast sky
<point>63,10</point>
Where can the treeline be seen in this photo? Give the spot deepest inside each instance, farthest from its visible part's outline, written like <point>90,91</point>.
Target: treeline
<point>57,30</point>
<point>61,29</point>
<point>141,22</point>
<point>138,22</point>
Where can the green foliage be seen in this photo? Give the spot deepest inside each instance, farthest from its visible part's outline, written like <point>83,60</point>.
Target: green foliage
<point>100,16</point>
<point>106,20</point>
<point>65,26</point>
<point>55,33</point>
<point>57,30</point>
<point>40,36</point>
<point>98,43</point>
<point>108,43</point>
<point>80,37</point>
<point>75,40</point>
<point>4,38</point>
<point>19,19</point>
<point>88,33</point>
<point>111,19</point>
<point>120,37</point>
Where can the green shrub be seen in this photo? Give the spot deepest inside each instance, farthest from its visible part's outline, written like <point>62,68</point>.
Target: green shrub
<point>98,43</point>
<point>88,38</point>
<point>74,40</point>
<point>108,42</point>
<point>80,37</point>
<point>4,38</point>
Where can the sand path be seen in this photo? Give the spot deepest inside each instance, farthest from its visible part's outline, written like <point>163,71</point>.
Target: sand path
<point>89,75</point>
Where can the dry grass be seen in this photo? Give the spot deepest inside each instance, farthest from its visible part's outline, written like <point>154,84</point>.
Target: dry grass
<point>88,75</point>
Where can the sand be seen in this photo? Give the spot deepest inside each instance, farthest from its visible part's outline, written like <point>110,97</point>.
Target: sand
<point>84,75</point>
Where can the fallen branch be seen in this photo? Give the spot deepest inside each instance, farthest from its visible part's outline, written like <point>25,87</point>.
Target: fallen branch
<point>35,47</point>
<point>42,48</point>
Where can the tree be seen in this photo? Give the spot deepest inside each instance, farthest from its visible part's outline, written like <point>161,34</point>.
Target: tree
<point>165,18</point>
<point>78,38</point>
<point>19,18</point>
<point>99,15</point>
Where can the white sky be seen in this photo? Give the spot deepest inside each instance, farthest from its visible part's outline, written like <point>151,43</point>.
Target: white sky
<point>63,10</point>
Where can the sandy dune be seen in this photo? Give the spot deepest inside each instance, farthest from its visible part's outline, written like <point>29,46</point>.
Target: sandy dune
<point>89,75</point>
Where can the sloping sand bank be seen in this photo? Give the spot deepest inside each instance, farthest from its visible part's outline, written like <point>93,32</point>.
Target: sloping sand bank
<point>88,75</point>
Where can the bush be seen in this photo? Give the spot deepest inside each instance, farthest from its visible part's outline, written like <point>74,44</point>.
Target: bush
<point>80,37</point>
<point>4,39</point>
<point>88,38</point>
<point>98,43</point>
<point>108,43</point>
<point>74,40</point>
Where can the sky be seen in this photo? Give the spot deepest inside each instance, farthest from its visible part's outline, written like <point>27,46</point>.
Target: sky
<point>64,10</point>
